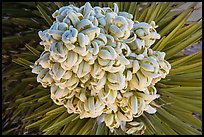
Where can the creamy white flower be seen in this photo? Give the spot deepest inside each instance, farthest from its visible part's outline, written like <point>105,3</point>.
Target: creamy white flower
<point>58,94</point>
<point>47,39</point>
<point>146,32</point>
<point>44,78</point>
<point>37,69</point>
<point>58,52</point>
<point>44,60</point>
<point>99,64</point>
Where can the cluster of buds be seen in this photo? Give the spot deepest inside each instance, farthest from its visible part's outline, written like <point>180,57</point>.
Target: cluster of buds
<point>99,64</point>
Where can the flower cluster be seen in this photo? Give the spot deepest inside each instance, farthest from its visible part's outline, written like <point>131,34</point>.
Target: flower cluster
<point>99,64</point>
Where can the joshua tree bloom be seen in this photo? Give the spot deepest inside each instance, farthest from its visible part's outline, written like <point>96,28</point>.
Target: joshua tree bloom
<point>104,68</point>
<point>101,65</point>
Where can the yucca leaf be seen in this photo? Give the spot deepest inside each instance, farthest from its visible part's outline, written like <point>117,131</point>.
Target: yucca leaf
<point>8,71</point>
<point>44,14</point>
<point>57,110</point>
<point>94,128</point>
<point>19,63</point>
<point>101,129</point>
<point>185,59</point>
<point>49,132</point>
<point>44,99</point>
<point>194,84</point>
<point>100,4</point>
<point>39,122</point>
<point>195,38</point>
<point>132,7</point>
<point>194,95</point>
<point>61,117</point>
<point>193,61</point>
<point>23,99</point>
<point>86,128</point>
<point>121,5</point>
<point>190,70</point>
<point>11,39</point>
<point>22,62</point>
<point>30,79</point>
<point>29,36</point>
<point>28,104</point>
<point>193,101</point>
<point>61,123</point>
<point>25,21</point>
<point>17,112</point>
<point>169,36</point>
<point>172,15</point>
<point>169,103</point>
<point>149,12</point>
<point>15,12</point>
<point>136,14</point>
<point>37,13</point>
<point>47,124</point>
<point>143,7</point>
<point>30,4</point>
<point>67,127</point>
<point>59,4</point>
<point>185,35</point>
<point>79,124</point>
<point>182,68</point>
<point>143,15</point>
<point>175,123</point>
<point>126,5</point>
<point>184,80</point>
<point>170,111</point>
<point>186,117</point>
<point>182,89</point>
<point>6,28</point>
<point>161,127</point>
<point>164,9</point>
<point>196,74</point>
<point>150,127</point>
<point>36,94</point>
<point>189,29</point>
<point>116,132</point>
<point>163,23</point>
<point>180,104</point>
<point>184,28</point>
<point>43,106</point>
<point>155,46</point>
<point>38,114</point>
<point>154,13</point>
<point>156,129</point>
<point>174,23</point>
<point>33,50</point>
<point>7,132</point>
<point>54,7</point>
